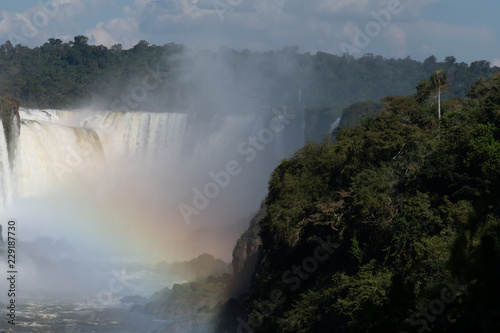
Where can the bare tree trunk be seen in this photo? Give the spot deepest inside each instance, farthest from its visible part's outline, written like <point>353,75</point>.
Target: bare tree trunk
<point>439,102</point>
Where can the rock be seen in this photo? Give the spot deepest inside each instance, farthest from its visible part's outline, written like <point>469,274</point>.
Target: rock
<point>201,267</point>
<point>140,308</point>
<point>135,299</point>
<point>191,307</point>
<point>9,114</point>
<point>9,110</point>
<point>245,255</point>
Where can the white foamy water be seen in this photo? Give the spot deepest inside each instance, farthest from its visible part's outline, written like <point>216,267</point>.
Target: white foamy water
<point>55,144</point>
<point>48,316</point>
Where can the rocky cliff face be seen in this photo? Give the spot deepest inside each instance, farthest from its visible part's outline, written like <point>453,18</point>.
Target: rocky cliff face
<point>9,114</point>
<point>245,255</point>
<point>201,267</point>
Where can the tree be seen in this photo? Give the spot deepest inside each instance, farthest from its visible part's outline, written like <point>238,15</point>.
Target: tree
<point>430,63</point>
<point>80,40</point>
<point>141,46</point>
<point>450,61</point>
<point>424,91</point>
<point>116,47</point>
<point>55,42</point>
<point>438,83</point>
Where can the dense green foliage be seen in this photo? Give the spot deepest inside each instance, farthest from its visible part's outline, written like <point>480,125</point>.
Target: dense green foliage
<point>75,74</point>
<point>61,74</point>
<point>357,112</point>
<point>395,226</point>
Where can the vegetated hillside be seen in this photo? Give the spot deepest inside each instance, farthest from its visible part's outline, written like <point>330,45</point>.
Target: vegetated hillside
<point>201,267</point>
<point>393,227</point>
<point>357,112</point>
<point>151,77</point>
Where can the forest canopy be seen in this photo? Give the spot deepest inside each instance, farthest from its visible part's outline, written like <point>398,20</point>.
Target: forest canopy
<point>75,74</point>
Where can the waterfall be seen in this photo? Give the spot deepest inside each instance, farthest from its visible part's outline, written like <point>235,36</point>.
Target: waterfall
<point>157,157</point>
<point>47,153</point>
<point>138,134</point>
<point>103,180</point>
<point>57,146</point>
<point>334,125</point>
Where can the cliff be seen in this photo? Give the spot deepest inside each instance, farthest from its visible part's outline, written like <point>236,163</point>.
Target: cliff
<point>189,307</point>
<point>9,114</point>
<point>353,115</point>
<point>201,267</point>
<point>396,219</point>
<point>245,256</point>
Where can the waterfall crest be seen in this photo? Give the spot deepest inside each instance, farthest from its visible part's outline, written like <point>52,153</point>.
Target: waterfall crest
<point>56,145</point>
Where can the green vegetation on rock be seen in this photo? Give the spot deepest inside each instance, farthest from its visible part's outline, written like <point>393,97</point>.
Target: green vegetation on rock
<point>412,205</point>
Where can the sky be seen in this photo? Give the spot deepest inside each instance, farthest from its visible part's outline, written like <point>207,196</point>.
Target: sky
<point>468,30</point>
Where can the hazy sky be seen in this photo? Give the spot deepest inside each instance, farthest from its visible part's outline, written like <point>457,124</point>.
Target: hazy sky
<point>468,30</point>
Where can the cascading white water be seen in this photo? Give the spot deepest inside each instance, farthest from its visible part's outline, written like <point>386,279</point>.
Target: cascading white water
<point>55,145</point>
<point>138,134</point>
<point>46,153</point>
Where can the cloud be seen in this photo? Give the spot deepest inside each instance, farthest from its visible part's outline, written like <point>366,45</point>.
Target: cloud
<point>397,39</point>
<point>116,31</point>
<point>427,37</point>
<point>342,6</point>
<point>416,7</point>
<point>273,24</point>
<point>49,19</point>
<point>258,25</point>
<point>26,28</point>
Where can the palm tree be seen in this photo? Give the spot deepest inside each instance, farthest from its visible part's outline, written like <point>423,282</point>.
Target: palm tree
<point>438,83</point>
